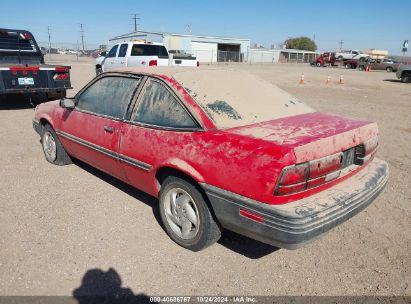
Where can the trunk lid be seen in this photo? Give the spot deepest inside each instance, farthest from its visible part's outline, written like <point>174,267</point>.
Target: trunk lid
<point>313,135</point>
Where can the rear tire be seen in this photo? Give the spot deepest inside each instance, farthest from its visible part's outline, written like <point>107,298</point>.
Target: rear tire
<point>389,69</point>
<point>186,216</point>
<point>348,66</point>
<point>318,64</point>
<point>52,147</point>
<point>406,77</point>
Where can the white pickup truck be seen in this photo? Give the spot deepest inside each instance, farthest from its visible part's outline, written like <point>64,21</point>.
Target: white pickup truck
<point>351,54</point>
<point>131,54</point>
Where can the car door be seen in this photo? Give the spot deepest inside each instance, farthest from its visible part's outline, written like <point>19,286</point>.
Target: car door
<point>110,60</point>
<point>91,130</point>
<point>120,59</point>
<point>159,128</point>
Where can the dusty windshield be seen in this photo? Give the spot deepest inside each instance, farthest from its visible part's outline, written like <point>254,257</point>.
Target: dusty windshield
<point>235,98</point>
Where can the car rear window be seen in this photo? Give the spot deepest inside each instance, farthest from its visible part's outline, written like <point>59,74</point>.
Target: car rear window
<point>149,50</point>
<point>11,41</point>
<point>235,98</point>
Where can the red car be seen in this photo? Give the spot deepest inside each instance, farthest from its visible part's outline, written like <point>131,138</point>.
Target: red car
<point>220,148</point>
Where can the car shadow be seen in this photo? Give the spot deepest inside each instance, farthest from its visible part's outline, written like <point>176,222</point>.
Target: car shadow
<point>15,102</point>
<point>133,192</point>
<point>393,80</point>
<point>240,244</point>
<point>245,246</point>
<point>101,287</point>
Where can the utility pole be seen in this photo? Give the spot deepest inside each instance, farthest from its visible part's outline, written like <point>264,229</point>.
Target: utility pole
<point>135,18</point>
<point>82,35</point>
<point>48,31</point>
<point>341,42</point>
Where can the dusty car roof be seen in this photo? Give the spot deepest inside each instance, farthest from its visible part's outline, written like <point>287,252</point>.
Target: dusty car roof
<point>231,97</point>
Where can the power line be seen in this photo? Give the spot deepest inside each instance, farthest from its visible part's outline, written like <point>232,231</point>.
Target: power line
<point>135,18</point>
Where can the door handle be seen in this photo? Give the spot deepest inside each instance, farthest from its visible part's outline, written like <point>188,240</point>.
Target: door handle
<point>108,129</point>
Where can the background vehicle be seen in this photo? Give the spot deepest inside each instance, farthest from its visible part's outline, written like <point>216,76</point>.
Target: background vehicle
<point>22,68</point>
<point>326,59</point>
<point>180,54</point>
<point>404,72</point>
<point>276,171</point>
<point>386,64</point>
<point>351,54</point>
<point>134,54</point>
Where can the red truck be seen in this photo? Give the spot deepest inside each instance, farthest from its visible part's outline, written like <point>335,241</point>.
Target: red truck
<point>327,58</point>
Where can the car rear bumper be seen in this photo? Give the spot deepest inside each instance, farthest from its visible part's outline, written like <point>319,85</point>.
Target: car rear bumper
<point>295,224</point>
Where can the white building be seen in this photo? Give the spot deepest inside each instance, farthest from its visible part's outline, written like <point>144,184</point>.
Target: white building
<point>207,49</point>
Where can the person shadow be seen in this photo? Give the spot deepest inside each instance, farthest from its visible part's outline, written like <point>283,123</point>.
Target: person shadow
<point>104,287</point>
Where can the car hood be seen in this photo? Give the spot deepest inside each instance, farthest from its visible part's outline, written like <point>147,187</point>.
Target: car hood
<point>312,135</point>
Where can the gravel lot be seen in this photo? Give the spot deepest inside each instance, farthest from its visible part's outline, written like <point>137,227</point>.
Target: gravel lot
<point>57,224</point>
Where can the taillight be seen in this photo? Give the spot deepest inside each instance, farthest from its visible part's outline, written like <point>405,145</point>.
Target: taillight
<point>61,76</point>
<point>152,63</point>
<point>317,172</point>
<point>365,151</point>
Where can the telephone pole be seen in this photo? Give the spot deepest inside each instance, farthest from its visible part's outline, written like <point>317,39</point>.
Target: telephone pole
<point>48,31</point>
<point>82,35</point>
<point>135,18</point>
<point>341,42</point>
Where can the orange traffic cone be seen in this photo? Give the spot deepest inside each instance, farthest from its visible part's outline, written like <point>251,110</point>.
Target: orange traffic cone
<point>328,79</point>
<point>341,79</point>
<point>302,79</point>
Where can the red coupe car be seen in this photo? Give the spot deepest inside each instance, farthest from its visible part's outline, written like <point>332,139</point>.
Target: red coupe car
<point>220,148</point>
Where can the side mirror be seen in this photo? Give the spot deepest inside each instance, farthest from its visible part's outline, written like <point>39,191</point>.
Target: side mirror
<point>67,103</point>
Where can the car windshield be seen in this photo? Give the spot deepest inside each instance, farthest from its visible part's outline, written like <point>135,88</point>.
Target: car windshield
<point>235,98</point>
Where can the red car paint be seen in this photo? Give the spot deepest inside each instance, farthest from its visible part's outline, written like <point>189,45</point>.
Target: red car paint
<point>245,160</point>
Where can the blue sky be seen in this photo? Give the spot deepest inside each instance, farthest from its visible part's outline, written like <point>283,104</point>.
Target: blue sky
<point>362,24</point>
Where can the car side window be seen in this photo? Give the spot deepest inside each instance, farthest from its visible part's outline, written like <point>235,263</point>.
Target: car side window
<point>123,50</point>
<point>108,96</point>
<point>159,107</point>
<point>113,51</point>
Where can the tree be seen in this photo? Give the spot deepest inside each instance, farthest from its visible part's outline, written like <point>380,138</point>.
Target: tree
<point>301,43</point>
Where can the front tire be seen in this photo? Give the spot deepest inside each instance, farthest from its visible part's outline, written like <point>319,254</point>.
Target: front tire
<point>99,70</point>
<point>389,69</point>
<point>186,216</point>
<point>52,147</point>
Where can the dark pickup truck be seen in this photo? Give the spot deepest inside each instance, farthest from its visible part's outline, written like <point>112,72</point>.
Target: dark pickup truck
<point>23,71</point>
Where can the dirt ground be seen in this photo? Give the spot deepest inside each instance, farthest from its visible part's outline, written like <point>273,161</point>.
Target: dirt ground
<point>61,226</point>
